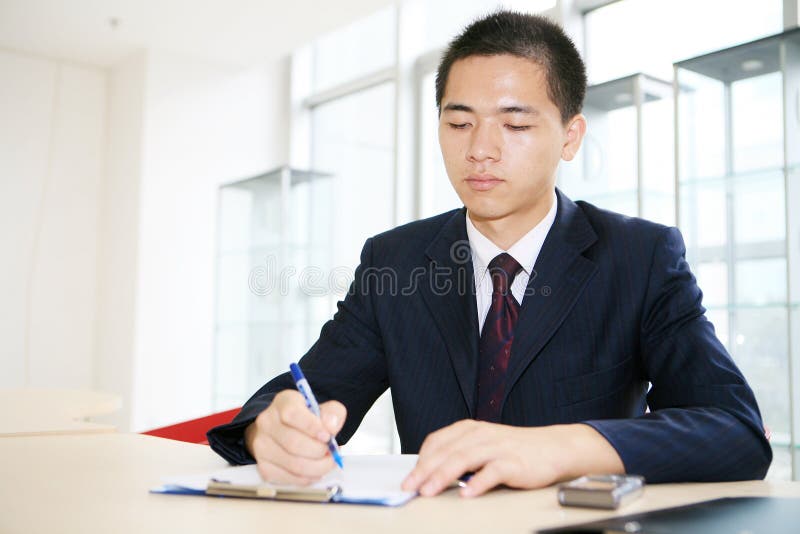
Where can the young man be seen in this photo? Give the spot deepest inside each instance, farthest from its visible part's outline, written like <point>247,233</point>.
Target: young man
<point>525,328</point>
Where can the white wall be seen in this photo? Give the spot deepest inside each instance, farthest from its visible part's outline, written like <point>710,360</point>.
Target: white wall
<point>108,184</point>
<point>118,234</point>
<point>51,163</point>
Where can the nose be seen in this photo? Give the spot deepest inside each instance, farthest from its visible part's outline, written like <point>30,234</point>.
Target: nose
<point>484,143</point>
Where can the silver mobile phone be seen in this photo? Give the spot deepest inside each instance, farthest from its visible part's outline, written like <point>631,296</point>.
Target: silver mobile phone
<point>600,491</point>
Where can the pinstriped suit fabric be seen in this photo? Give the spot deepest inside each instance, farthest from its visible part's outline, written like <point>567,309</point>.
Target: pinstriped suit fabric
<point>612,308</point>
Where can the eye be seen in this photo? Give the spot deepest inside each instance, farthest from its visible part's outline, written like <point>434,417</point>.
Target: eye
<point>515,128</point>
<point>458,126</point>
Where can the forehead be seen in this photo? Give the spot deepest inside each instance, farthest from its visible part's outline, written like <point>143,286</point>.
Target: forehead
<point>493,80</point>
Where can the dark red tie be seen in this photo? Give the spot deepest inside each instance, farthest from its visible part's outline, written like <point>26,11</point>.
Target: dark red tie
<point>496,338</point>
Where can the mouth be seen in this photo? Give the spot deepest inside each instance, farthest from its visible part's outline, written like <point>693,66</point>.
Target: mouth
<point>483,182</point>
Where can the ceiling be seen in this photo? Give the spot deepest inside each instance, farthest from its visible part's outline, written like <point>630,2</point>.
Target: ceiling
<point>236,32</point>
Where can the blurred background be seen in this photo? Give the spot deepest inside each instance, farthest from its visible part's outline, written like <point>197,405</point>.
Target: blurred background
<point>185,187</point>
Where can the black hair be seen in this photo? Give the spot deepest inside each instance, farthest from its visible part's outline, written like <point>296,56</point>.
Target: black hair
<point>532,37</point>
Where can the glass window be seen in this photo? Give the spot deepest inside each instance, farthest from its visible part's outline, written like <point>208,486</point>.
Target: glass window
<point>261,314</point>
<point>760,282</point>
<point>360,48</point>
<point>658,161</point>
<point>758,209</point>
<point>658,33</point>
<point>436,195</point>
<point>353,140</point>
<point>441,20</point>
<point>604,171</point>
<point>702,116</point>
<point>733,186</point>
<point>760,349</point>
<point>703,218</point>
<point>754,104</point>
<point>712,276</point>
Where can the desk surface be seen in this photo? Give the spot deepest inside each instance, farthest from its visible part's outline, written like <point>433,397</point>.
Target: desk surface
<point>35,411</point>
<point>99,483</point>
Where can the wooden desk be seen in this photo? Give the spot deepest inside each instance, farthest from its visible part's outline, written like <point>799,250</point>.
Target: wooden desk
<point>53,411</point>
<point>99,483</point>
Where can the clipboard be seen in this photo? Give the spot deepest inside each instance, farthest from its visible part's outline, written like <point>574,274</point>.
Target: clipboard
<point>264,491</point>
<point>365,479</point>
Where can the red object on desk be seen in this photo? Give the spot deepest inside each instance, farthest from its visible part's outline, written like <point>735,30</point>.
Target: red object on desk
<point>193,430</point>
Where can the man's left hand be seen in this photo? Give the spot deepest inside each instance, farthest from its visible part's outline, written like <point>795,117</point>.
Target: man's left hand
<point>519,457</point>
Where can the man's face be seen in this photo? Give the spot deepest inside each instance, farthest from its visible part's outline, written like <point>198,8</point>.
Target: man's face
<point>502,137</point>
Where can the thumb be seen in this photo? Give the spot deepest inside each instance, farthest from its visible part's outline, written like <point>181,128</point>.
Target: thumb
<point>333,414</point>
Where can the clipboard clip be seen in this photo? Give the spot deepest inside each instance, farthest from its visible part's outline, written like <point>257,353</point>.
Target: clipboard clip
<point>268,491</point>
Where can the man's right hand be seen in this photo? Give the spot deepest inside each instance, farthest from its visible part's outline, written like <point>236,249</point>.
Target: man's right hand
<point>290,443</point>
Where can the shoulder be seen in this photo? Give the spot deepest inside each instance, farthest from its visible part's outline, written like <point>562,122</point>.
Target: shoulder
<point>609,224</point>
<point>423,230</point>
<point>616,229</point>
<point>621,238</point>
<point>408,242</point>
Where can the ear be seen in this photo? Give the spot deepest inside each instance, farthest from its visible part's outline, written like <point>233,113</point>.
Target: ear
<point>576,129</point>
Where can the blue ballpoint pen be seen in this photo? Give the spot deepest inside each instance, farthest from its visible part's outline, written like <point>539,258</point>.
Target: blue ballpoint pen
<point>311,401</point>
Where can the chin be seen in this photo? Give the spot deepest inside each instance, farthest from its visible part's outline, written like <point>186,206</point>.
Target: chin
<point>483,212</point>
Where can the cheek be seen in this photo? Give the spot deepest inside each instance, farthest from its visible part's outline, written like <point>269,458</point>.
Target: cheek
<point>452,151</point>
<point>536,150</point>
<point>447,137</point>
<point>532,160</point>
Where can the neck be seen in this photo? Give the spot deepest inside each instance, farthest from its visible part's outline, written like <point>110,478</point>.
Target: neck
<point>506,231</point>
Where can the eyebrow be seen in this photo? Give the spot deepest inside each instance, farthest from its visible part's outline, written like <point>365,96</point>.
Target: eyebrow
<point>520,109</point>
<point>503,110</point>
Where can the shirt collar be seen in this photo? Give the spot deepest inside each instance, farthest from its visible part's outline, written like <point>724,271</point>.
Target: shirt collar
<point>525,250</point>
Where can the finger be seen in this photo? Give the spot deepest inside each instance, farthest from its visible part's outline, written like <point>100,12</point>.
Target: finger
<point>269,451</point>
<point>435,450</point>
<point>291,410</point>
<point>297,443</point>
<point>491,475</point>
<point>333,414</point>
<point>444,437</point>
<point>271,472</point>
<point>430,455</point>
<point>465,459</point>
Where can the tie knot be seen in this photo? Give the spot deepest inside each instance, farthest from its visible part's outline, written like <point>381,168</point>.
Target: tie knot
<point>503,268</point>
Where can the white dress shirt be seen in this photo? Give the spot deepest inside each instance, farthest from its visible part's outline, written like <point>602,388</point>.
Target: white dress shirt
<point>525,251</point>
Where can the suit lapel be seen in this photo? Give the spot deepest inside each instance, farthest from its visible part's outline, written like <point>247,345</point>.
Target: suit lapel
<point>559,276</point>
<point>449,293</point>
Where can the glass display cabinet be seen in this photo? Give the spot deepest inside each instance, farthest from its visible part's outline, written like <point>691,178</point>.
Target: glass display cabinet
<point>738,162</point>
<point>269,305</point>
<point>626,161</point>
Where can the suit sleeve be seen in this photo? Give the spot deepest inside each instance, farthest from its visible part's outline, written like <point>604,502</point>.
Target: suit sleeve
<point>346,364</point>
<point>704,423</point>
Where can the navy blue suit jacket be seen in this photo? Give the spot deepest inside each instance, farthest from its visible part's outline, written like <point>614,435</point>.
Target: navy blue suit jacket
<point>612,307</point>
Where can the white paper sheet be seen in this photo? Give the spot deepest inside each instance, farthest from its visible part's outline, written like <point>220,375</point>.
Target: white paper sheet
<point>365,479</point>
